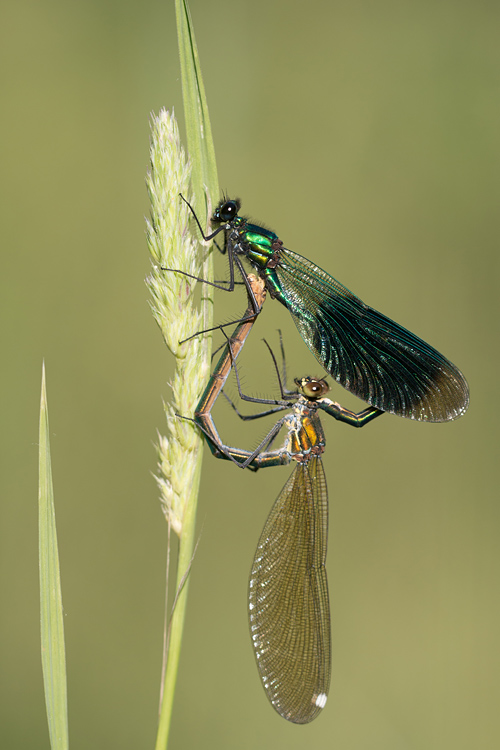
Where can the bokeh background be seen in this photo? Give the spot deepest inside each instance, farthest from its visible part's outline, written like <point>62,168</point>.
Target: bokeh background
<point>366,135</point>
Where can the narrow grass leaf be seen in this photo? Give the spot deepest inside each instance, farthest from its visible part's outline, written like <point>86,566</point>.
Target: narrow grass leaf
<point>51,610</point>
<point>199,133</point>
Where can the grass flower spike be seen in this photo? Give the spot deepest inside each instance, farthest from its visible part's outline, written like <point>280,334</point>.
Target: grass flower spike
<point>175,310</point>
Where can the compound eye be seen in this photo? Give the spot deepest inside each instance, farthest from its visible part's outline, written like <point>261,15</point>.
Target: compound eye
<point>228,211</point>
<point>314,388</point>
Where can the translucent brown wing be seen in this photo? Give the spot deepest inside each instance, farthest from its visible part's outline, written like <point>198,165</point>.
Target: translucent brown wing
<point>288,597</point>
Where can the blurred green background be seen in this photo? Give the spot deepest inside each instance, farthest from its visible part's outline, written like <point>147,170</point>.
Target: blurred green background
<point>366,135</point>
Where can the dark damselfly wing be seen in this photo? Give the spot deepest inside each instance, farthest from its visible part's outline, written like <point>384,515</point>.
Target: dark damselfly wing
<point>367,353</point>
<point>288,597</point>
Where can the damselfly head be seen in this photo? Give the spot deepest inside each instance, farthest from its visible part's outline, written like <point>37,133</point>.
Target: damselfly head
<point>226,211</point>
<point>312,388</point>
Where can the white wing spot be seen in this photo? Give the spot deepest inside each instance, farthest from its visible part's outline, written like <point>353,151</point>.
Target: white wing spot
<point>321,700</point>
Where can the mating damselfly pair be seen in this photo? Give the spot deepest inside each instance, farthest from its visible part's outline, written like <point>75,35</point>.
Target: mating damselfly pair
<point>372,357</point>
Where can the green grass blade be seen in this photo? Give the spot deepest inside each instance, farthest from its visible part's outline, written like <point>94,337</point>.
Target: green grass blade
<point>198,130</point>
<point>51,611</point>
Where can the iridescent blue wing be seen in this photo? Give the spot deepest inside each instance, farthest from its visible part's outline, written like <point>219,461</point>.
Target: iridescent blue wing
<point>367,353</point>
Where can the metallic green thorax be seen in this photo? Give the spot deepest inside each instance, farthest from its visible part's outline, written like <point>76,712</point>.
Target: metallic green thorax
<point>262,248</point>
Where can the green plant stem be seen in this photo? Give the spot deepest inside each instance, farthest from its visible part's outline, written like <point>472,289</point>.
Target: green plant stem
<point>176,626</point>
<point>205,187</point>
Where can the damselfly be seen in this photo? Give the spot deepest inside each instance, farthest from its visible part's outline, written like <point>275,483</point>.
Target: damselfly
<point>289,608</point>
<point>370,355</point>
